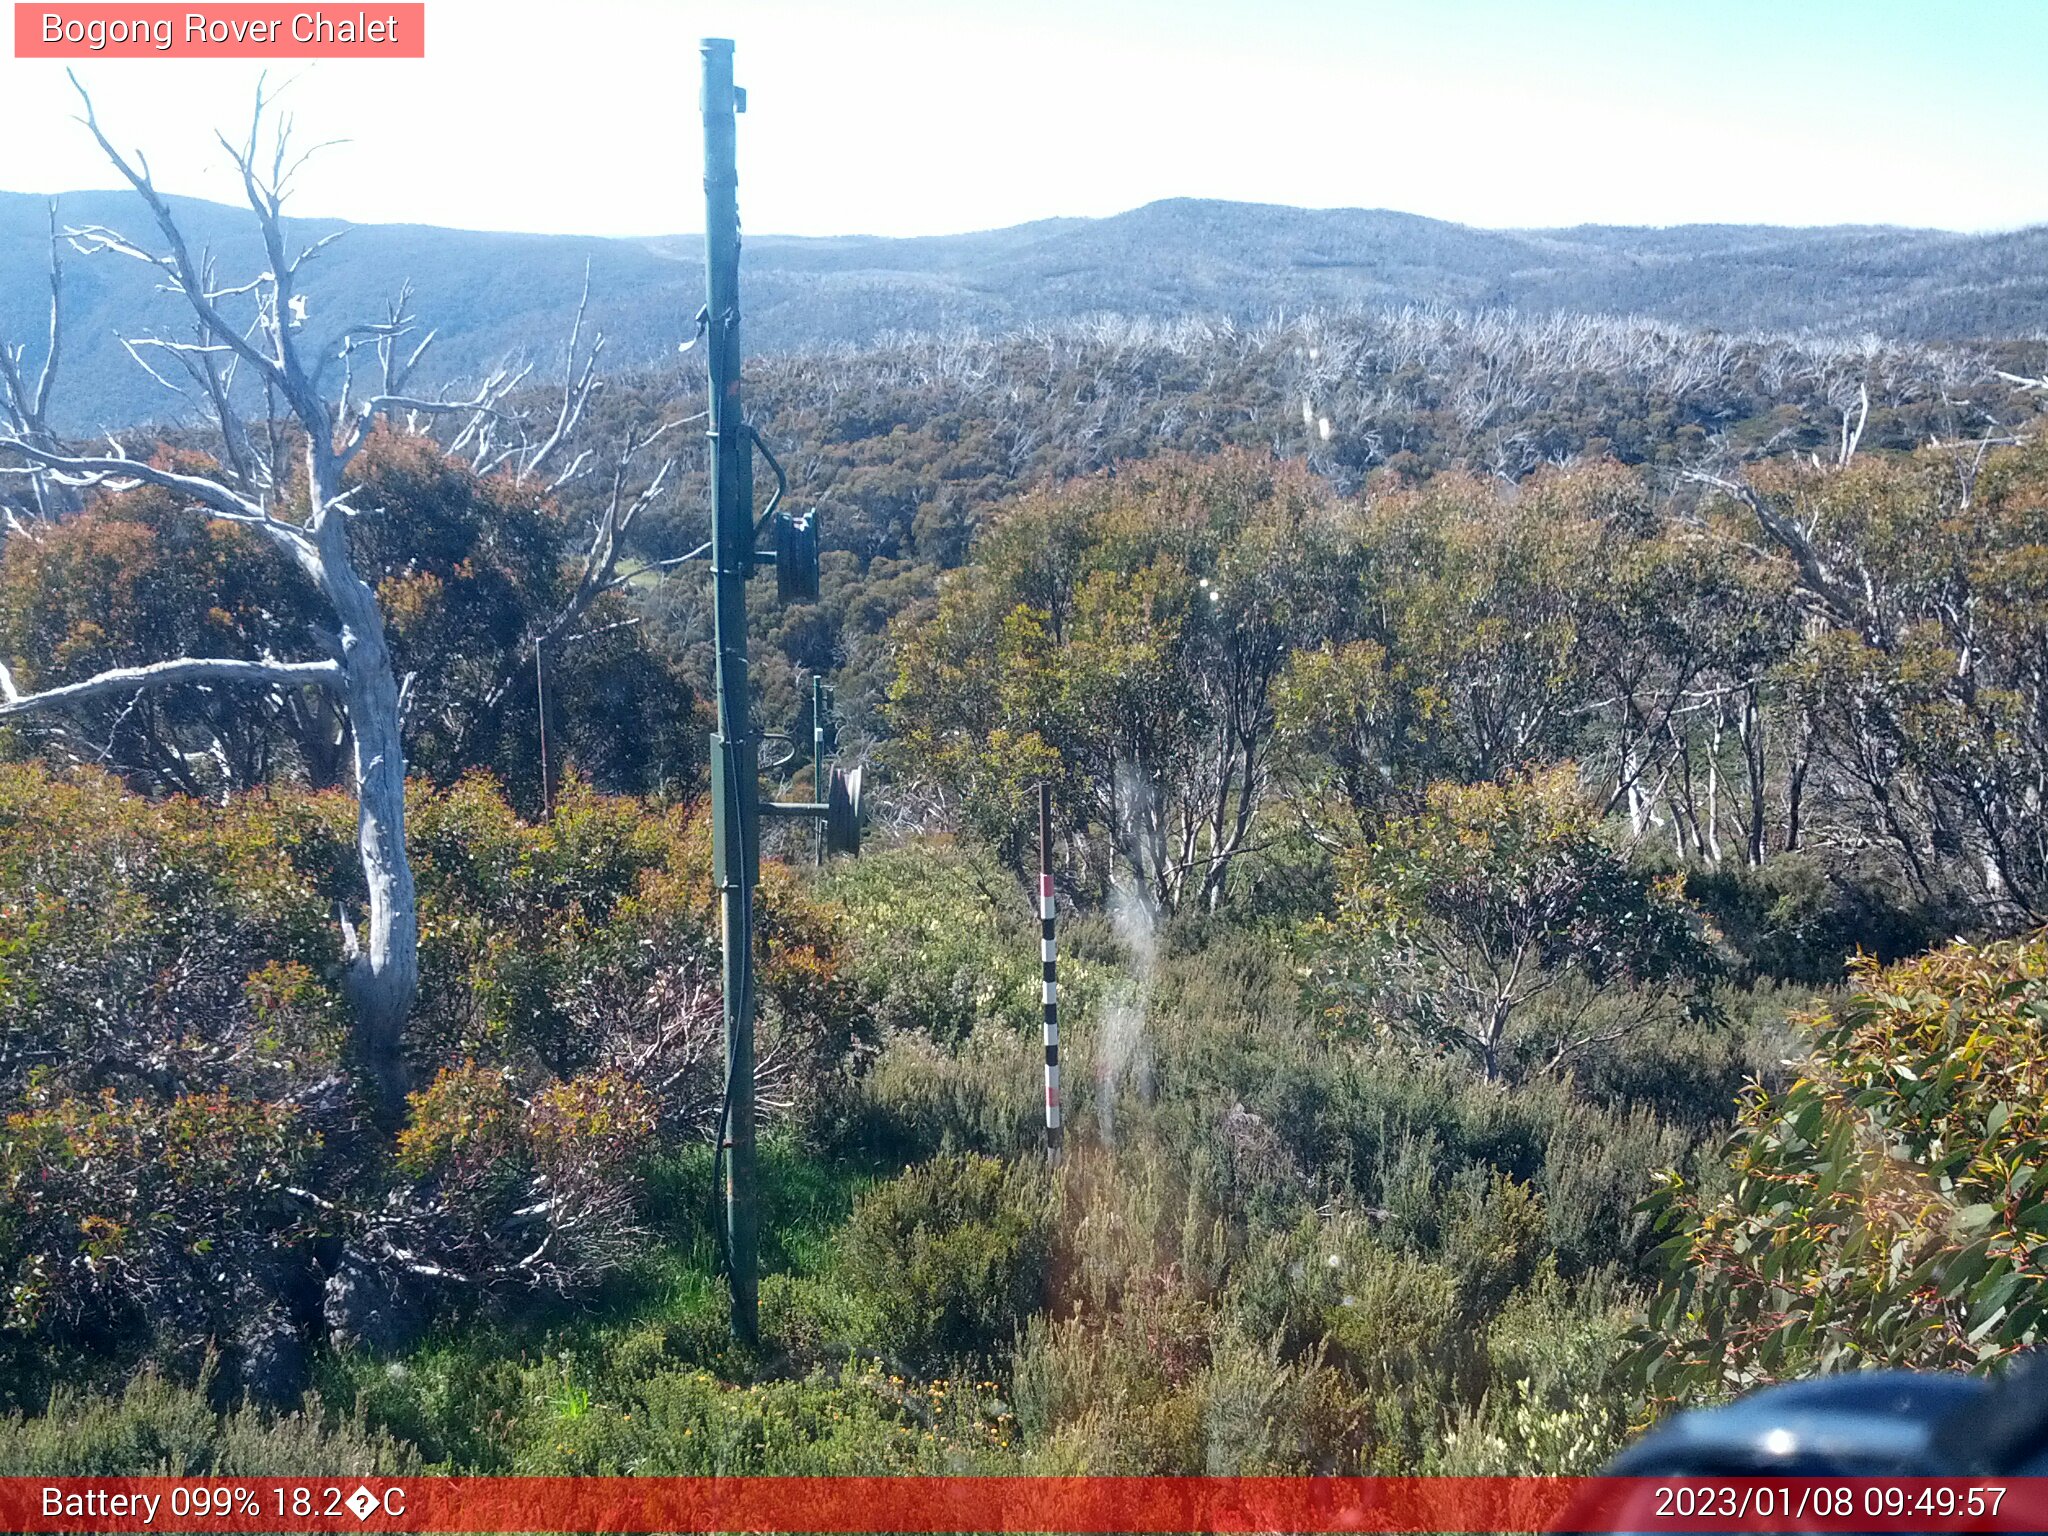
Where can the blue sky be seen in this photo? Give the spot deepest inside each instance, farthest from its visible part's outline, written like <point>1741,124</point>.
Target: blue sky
<point>920,117</point>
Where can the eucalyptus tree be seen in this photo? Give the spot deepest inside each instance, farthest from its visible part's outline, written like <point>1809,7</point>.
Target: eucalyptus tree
<point>284,420</point>
<point>1125,636</point>
<point>1920,675</point>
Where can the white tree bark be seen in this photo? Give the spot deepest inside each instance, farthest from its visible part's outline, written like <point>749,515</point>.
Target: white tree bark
<point>252,488</point>
<point>25,401</point>
<point>248,333</point>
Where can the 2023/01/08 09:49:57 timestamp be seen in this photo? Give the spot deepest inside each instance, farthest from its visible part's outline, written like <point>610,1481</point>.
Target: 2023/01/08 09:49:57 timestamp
<point>1882,1499</point>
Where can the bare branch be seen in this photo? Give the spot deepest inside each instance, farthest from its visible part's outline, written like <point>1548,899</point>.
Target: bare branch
<point>1814,574</point>
<point>132,347</point>
<point>186,275</point>
<point>317,246</point>
<point>1852,436</point>
<point>576,388</point>
<point>27,407</point>
<point>116,469</point>
<point>164,674</point>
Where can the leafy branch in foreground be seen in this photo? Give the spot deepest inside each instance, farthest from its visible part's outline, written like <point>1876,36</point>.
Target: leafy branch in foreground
<point>1886,1209</point>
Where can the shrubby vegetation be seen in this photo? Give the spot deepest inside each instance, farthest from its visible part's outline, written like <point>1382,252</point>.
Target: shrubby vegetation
<point>186,1161</point>
<point>909,444</point>
<point>1500,901</point>
<point>1885,1206</point>
<point>1467,826</point>
<point>1168,1299</point>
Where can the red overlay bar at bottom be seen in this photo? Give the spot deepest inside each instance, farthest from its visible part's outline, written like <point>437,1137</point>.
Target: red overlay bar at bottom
<point>1052,1504</point>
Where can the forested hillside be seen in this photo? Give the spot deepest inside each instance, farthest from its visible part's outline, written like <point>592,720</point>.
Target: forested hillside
<point>907,447</point>
<point>1545,807</point>
<point>495,296</point>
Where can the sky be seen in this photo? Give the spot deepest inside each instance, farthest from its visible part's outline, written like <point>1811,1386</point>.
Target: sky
<point>909,117</point>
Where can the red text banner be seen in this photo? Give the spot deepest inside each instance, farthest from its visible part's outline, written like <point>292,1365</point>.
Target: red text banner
<point>1109,1505</point>
<point>223,31</point>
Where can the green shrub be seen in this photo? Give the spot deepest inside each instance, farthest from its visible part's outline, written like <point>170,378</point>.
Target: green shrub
<point>690,1424</point>
<point>1143,1227</point>
<point>1396,1130</point>
<point>561,947</point>
<point>176,1052</point>
<point>918,1097</point>
<point>170,947</point>
<point>1461,926</point>
<point>458,1402</point>
<point>1110,1375</point>
<point>1391,1325</point>
<point>1552,1404</point>
<point>1104,1397</point>
<point>1692,1078</point>
<point>1596,1170</point>
<point>1795,920</point>
<point>538,1190</point>
<point>1495,1235</point>
<point>1263,1415</point>
<point>1384,1317</point>
<point>157,1429</point>
<point>1887,1208</point>
<point>944,939</point>
<point>126,1223</point>
<point>950,1257</point>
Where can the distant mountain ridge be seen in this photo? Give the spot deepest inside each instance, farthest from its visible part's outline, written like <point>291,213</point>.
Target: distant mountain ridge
<point>493,294</point>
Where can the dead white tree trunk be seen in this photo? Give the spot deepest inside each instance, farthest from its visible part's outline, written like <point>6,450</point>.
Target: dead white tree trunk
<point>254,486</point>
<point>25,401</point>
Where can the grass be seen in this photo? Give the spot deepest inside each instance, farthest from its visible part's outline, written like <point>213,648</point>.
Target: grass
<point>468,1392</point>
<point>803,1201</point>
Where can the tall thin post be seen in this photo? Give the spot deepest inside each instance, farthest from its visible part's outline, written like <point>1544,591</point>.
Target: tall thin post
<point>1049,954</point>
<point>540,705</point>
<point>735,783</point>
<point>818,786</point>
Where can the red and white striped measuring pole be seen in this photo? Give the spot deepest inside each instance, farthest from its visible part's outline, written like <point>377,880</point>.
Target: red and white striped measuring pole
<point>1049,954</point>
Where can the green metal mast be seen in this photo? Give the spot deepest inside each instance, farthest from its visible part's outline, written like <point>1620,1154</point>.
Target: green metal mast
<point>734,781</point>
<point>736,804</point>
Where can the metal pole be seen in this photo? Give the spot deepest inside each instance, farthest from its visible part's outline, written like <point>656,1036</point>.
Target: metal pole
<point>1049,955</point>
<point>818,786</point>
<point>540,705</point>
<point>734,779</point>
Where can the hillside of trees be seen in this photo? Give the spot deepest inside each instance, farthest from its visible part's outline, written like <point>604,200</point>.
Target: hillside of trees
<point>906,447</point>
<point>1547,810</point>
<point>494,296</point>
